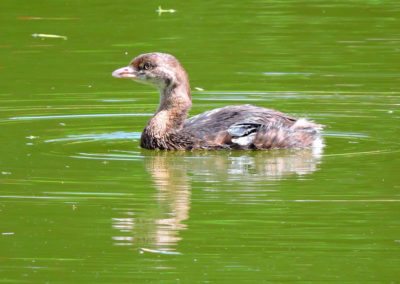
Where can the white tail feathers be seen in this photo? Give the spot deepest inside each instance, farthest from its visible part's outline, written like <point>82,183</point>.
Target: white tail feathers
<point>303,123</point>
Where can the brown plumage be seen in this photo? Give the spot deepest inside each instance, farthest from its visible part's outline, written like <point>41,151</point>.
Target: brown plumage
<point>231,127</point>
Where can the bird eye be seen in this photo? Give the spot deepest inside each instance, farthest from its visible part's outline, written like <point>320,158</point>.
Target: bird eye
<point>146,66</point>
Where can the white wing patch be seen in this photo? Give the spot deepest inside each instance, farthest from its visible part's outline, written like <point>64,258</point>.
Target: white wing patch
<point>244,140</point>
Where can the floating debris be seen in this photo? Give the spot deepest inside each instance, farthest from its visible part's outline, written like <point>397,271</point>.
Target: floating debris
<point>43,36</point>
<point>142,250</point>
<point>6,173</point>
<point>31,137</point>
<point>198,89</point>
<point>161,10</point>
<point>8,233</point>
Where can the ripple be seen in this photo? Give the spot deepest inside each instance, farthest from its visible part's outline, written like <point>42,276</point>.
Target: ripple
<point>345,134</point>
<point>118,100</point>
<point>72,116</point>
<point>157,251</point>
<point>109,157</point>
<point>373,152</point>
<point>286,73</point>
<point>229,99</point>
<point>118,135</point>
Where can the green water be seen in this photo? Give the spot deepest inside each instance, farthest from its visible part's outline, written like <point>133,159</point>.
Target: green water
<point>80,202</point>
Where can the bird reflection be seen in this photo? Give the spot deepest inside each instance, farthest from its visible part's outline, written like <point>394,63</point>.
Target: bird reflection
<point>158,228</point>
<point>173,196</point>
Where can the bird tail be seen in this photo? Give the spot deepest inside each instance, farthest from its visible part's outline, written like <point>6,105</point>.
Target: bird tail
<point>301,134</point>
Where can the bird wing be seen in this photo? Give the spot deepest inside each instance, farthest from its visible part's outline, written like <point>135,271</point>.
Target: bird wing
<point>239,118</point>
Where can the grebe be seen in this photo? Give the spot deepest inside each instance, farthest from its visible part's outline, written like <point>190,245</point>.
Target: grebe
<point>230,127</point>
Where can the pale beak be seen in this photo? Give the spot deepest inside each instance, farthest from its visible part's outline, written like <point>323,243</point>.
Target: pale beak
<point>125,72</point>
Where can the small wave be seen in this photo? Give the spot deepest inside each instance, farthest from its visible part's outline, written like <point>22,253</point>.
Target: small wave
<point>345,134</point>
<point>72,116</point>
<point>286,73</point>
<point>108,157</point>
<point>119,135</point>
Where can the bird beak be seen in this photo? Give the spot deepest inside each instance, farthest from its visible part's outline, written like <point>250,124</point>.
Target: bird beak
<point>125,72</point>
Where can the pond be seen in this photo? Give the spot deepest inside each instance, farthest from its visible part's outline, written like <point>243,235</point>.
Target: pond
<point>81,202</point>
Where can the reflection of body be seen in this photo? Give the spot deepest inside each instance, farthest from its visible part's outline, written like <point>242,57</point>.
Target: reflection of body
<point>249,165</point>
<point>231,127</point>
<point>158,227</point>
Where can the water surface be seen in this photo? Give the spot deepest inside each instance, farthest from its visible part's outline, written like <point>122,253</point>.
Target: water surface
<point>81,202</point>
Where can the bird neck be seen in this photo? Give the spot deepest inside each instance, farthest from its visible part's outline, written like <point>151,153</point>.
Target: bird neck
<point>175,103</point>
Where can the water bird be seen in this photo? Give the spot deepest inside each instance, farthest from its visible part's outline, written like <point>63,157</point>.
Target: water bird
<point>230,127</point>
